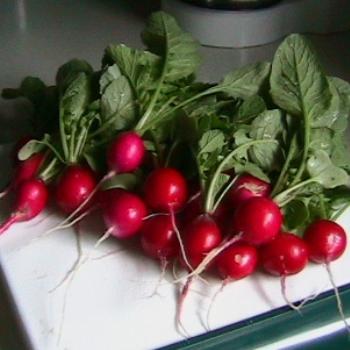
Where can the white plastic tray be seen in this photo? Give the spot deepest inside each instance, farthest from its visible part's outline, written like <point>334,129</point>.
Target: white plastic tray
<point>107,304</point>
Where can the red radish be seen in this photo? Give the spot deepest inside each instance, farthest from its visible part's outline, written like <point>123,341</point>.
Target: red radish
<point>285,255</point>
<point>326,241</point>
<point>159,238</point>
<point>194,208</point>
<point>247,186</point>
<point>125,154</point>
<point>258,220</point>
<point>237,261</point>
<point>73,188</point>
<point>123,214</point>
<point>166,190</point>
<point>28,168</point>
<point>200,237</point>
<point>25,170</point>
<point>31,199</point>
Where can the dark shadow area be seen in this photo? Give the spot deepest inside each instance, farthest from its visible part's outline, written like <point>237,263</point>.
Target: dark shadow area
<point>139,8</point>
<point>11,335</point>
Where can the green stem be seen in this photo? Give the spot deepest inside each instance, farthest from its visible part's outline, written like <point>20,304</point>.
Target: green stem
<point>72,143</point>
<point>223,193</point>
<point>307,130</point>
<point>177,107</point>
<point>170,153</point>
<point>281,178</point>
<point>151,105</point>
<point>46,174</point>
<point>80,145</point>
<point>209,200</point>
<point>339,212</point>
<point>281,196</point>
<point>63,135</point>
<point>53,149</point>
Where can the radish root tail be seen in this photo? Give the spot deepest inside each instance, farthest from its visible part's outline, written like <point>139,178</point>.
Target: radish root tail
<point>337,295</point>
<point>182,247</point>
<point>213,254</point>
<point>212,301</point>
<point>182,295</point>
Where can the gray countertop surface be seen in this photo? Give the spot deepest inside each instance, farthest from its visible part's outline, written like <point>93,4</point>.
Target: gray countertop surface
<point>37,36</point>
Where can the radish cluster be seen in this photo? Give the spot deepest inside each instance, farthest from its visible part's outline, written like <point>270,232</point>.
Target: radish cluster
<point>202,176</point>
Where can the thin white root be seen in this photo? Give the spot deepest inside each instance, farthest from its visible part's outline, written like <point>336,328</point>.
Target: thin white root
<point>337,295</point>
<point>70,224</point>
<point>163,267</point>
<point>222,286</point>
<point>284,294</point>
<point>211,256</point>
<point>153,215</point>
<point>289,303</point>
<point>178,322</point>
<point>108,254</point>
<point>104,237</point>
<point>5,192</point>
<point>70,279</point>
<point>75,266</point>
<point>178,236</point>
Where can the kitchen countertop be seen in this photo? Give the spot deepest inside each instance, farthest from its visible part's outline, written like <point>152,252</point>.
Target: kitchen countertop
<point>37,36</point>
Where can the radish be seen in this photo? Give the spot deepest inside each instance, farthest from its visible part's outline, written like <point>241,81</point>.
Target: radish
<point>247,186</point>
<point>123,214</point>
<point>237,261</point>
<point>73,188</point>
<point>200,237</point>
<point>25,170</point>
<point>126,153</point>
<point>286,255</point>
<point>327,241</point>
<point>31,199</point>
<point>166,190</point>
<point>234,263</point>
<point>159,241</point>
<point>158,238</point>
<point>258,220</point>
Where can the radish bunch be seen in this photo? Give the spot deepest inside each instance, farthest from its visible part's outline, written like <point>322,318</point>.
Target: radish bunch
<point>228,178</point>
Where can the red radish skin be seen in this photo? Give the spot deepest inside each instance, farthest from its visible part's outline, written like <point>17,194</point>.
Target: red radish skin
<point>73,188</point>
<point>124,214</point>
<point>166,190</point>
<point>126,153</point>
<point>31,199</point>
<point>158,238</point>
<point>25,170</point>
<point>258,220</point>
<point>28,168</point>
<point>246,187</point>
<point>237,261</point>
<point>200,237</point>
<point>326,241</point>
<point>285,255</point>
